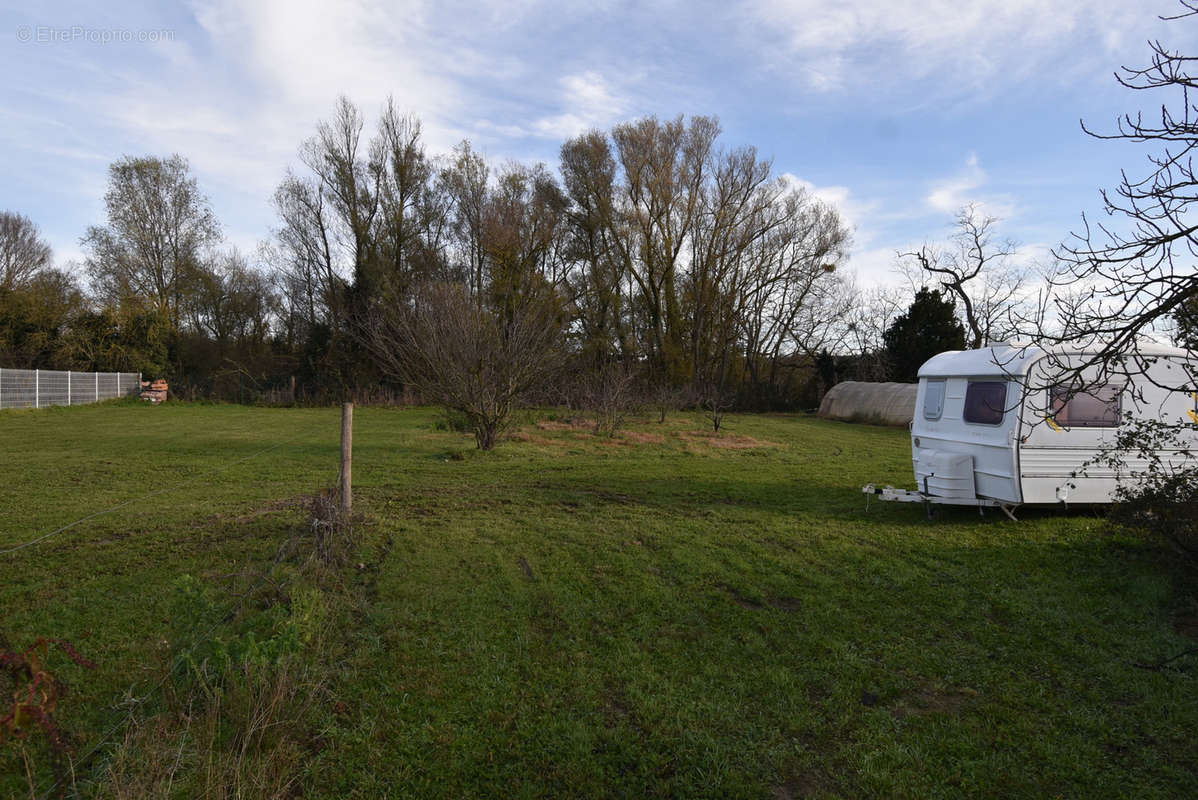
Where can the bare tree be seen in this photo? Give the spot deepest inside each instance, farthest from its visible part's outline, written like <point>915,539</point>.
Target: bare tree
<point>716,401</point>
<point>22,251</point>
<point>464,356</point>
<point>791,296</point>
<point>521,235</point>
<point>978,271</point>
<point>870,314</point>
<point>608,394</point>
<point>309,267</point>
<point>665,168</point>
<point>1119,284</point>
<point>232,301</point>
<point>1115,285</point>
<point>465,181</point>
<point>159,228</point>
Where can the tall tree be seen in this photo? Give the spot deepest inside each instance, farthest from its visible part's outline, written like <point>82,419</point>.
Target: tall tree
<point>1121,280</point>
<point>414,219</point>
<point>690,258</point>
<point>665,167</point>
<point>598,286</point>
<point>522,226</point>
<point>465,180</point>
<point>159,229</point>
<point>23,252</point>
<point>349,173</point>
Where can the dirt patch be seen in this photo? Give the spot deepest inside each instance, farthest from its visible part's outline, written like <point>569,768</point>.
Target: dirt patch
<point>532,438</point>
<point>780,603</point>
<point>612,441</point>
<point>272,507</point>
<point>616,707</point>
<point>545,620</point>
<point>817,695</point>
<point>928,700</point>
<point>614,497</point>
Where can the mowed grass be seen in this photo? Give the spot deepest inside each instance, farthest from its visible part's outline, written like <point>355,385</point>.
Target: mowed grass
<point>668,613</point>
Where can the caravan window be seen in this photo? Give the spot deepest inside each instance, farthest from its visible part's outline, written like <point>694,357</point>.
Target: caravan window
<point>1097,407</point>
<point>933,399</point>
<point>985,402</point>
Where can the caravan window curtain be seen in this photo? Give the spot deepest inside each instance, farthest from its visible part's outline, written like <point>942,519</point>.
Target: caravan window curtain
<point>1096,407</point>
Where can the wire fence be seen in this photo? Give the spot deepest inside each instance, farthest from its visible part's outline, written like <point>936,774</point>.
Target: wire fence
<point>39,388</point>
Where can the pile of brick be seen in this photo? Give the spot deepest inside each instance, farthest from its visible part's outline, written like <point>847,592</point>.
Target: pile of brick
<point>154,392</point>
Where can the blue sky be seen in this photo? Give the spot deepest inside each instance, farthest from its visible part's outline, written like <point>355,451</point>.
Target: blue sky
<point>897,111</point>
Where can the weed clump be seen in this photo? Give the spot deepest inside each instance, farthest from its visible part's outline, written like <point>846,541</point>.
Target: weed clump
<point>334,536</point>
<point>35,693</point>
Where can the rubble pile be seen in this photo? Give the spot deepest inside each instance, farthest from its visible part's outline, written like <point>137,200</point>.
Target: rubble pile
<point>154,392</point>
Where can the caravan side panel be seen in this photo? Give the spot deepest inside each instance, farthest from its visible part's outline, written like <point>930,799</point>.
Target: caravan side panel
<point>1059,461</point>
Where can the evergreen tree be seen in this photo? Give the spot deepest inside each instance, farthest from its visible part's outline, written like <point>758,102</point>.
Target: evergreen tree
<point>930,326</point>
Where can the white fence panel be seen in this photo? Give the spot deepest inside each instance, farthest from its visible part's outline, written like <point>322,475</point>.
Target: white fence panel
<point>38,388</point>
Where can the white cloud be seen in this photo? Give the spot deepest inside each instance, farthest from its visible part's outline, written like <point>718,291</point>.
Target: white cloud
<point>587,102</point>
<point>950,194</point>
<point>966,186</point>
<point>960,44</point>
<point>874,266</point>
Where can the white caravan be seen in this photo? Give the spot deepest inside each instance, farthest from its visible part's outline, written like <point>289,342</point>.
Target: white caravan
<point>993,428</point>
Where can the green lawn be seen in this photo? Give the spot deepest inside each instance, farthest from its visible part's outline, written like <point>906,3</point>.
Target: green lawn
<point>664,614</point>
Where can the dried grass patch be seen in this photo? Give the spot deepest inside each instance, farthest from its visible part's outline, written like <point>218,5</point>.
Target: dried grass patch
<point>641,437</point>
<point>540,441</point>
<point>726,441</point>
<point>575,424</point>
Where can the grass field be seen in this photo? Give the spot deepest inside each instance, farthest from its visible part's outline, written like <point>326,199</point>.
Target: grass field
<point>664,614</point>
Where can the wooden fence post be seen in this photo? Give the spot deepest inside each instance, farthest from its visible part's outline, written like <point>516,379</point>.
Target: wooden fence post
<point>347,457</point>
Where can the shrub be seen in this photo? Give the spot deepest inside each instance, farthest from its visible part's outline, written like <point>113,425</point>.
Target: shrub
<point>607,395</point>
<point>468,358</point>
<point>1157,494</point>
